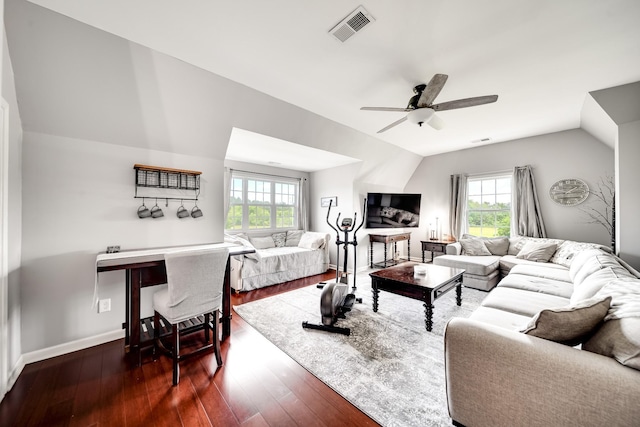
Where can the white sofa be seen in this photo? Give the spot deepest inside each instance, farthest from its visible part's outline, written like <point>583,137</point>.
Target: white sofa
<point>486,264</point>
<point>552,344</point>
<point>279,257</point>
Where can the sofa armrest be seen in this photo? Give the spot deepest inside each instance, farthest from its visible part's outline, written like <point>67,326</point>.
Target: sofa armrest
<point>496,376</point>
<point>454,248</point>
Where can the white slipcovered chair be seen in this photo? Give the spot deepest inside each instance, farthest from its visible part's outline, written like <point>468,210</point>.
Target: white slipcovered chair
<point>191,302</point>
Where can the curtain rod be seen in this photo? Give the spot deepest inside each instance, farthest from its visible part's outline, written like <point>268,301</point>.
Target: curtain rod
<point>266,174</point>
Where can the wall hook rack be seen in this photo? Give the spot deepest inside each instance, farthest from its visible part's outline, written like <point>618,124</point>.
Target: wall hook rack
<point>166,178</point>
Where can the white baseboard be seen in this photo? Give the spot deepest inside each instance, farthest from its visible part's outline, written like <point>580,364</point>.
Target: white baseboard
<point>59,350</point>
<point>81,344</point>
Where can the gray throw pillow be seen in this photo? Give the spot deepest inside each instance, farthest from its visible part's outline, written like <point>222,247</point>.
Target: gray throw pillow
<point>569,325</point>
<point>262,242</point>
<point>293,237</point>
<point>474,247</point>
<point>534,251</point>
<point>279,239</point>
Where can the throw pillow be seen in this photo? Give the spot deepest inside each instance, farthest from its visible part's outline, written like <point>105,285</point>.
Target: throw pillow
<point>537,251</point>
<point>279,239</point>
<point>311,241</point>
<point>618,338</point>
<point>293,237</point>
<point>568,249</point>
<point>474,247</point>
<point>569,325</point>
<point>495,245</point>
<point>262,242</point>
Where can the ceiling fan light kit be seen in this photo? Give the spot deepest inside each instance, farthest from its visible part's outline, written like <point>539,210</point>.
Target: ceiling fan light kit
<point>420,116</point>
<point>421,108</point>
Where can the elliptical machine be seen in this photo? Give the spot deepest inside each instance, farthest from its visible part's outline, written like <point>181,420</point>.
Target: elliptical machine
<point>335,300</point>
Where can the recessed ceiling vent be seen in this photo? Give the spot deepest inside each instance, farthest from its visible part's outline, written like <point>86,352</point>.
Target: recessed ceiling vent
<point>357,20</point>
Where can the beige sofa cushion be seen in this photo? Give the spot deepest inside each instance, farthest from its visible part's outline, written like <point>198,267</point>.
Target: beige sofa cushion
<point>546,270</point>
<point>569,325</point>
<point>477,265</point>
<point>523,302</point>
<point>592,284</point>
<point>516,243</point>
<point>594,263</point>
<point>495,245</point>
<point>537,284</point>
<point>507,262</point>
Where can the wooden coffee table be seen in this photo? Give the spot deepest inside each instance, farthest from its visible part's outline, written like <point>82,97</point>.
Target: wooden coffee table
<point>401,280</point>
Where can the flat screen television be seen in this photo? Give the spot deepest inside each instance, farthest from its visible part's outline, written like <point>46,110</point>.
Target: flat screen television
<point>393,210</point>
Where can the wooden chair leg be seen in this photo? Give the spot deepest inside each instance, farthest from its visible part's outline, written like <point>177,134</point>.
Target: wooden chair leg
<point>176,353</point>
<point>216,336</point>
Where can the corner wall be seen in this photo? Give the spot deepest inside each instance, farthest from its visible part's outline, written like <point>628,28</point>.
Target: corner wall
<point>568,154</point>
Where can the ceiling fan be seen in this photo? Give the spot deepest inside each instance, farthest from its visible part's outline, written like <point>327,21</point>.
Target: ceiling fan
<point>421,108</point>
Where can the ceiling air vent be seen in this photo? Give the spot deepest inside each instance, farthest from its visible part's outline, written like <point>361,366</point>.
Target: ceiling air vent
<point>357,20</point>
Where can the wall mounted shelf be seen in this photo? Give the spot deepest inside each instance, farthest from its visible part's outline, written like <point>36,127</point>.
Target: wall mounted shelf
<point>166,178</point>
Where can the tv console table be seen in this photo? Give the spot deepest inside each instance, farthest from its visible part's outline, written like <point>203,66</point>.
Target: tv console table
<point>386,239</point>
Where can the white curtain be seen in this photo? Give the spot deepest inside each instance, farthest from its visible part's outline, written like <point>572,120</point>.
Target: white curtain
<point>527,216</point>
<point>303,206</point>
<point>458,206</point>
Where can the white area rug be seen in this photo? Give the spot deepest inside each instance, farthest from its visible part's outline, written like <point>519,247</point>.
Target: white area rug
<point>390,367</point>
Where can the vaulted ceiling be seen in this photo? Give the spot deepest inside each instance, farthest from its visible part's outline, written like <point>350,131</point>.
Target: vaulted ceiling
<point>541,58</point>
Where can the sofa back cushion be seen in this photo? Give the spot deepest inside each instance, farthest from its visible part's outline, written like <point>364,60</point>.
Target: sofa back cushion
<point>495,245</point>
<point>590,262</point>
<point>619,336</point>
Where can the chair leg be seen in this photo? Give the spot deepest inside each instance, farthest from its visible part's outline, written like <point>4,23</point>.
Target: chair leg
<point>176,353</point>
<point>207,319</point>
<point>156,334</point>
<point>216,336</point>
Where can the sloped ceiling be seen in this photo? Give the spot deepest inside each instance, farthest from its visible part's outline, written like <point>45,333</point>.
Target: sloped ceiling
<point>541,58</point>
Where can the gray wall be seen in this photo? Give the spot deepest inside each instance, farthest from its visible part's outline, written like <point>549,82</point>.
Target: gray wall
<point>14,212</point>
<point>568,154</point>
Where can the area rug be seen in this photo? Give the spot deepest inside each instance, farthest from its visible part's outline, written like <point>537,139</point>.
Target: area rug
<point>390,367</point>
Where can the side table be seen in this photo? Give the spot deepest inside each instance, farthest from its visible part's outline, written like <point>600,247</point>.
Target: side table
<point>386,239</point>
<point>435,247</point>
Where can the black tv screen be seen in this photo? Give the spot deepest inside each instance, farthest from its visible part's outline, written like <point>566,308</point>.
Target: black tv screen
<point>393,210</point>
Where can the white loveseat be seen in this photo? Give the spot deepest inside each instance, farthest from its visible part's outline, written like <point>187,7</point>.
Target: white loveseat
<point>279,257</point>
<point>551,345</point>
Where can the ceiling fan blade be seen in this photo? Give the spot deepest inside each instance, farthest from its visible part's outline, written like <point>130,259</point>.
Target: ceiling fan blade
<point>396,123</point>
<point>405,110</point>
<point>432,90</point>
<point>436,122</point>
<point>464,103</point>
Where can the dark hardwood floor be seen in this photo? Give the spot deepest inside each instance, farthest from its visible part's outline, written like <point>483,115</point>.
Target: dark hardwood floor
<point>258,385</point>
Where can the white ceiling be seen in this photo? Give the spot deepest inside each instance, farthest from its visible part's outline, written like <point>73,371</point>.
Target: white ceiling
<point>246,146</point>
<point>541,58</point>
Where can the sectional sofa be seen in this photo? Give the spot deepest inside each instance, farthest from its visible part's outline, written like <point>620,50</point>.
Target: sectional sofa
<point>554,344</point>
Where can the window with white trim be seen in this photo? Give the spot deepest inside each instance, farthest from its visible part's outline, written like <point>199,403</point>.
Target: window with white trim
<point>262,202</point>
<point>489,206</point>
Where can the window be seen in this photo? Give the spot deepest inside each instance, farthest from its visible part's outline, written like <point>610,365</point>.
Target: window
<point>489,206</point>
<point>259,202</point>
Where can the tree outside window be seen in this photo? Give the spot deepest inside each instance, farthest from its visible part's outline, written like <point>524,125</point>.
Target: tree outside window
<point>489,206</point>
<point>262,203</point>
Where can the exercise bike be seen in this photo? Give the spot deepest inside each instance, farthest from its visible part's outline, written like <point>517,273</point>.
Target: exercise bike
<point>335,300</point>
